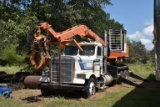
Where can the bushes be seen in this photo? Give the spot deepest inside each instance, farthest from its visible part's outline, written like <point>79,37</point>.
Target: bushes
<point>10,56</point>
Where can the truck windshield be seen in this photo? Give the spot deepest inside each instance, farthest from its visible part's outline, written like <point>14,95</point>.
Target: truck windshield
<point>87,50</point>
<point>71,50</point>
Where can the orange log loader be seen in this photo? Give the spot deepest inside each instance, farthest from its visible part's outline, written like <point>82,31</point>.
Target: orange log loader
<point>84,64</point>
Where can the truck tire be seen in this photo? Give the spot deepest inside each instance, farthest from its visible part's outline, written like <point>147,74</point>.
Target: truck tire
<point>90,88</point>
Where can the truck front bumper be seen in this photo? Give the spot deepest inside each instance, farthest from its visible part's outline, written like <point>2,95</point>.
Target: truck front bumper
<point>61,86</point>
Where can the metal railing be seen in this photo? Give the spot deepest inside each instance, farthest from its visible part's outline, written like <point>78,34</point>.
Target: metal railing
<point>116,39</point>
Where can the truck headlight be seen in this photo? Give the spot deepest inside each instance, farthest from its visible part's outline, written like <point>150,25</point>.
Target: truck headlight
<point>81,76</point>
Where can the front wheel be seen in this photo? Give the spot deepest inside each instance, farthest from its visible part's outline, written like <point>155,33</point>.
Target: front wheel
<point>90,88</point>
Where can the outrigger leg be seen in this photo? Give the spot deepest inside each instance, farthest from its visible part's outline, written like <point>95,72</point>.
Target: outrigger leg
<point>121,72</point>
<point>131,74</point>
<point>124,80</point>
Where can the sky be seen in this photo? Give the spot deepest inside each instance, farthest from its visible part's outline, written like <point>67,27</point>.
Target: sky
<point>136,17</point>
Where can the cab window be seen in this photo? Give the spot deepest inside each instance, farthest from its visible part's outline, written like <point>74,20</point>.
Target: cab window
<point>71,50</point>
<point>99,51</point>
<point>87,50</point>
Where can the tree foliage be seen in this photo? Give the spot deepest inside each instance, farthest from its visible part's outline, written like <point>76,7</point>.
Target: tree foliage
<point>18,18</point>
<point>9,54</point>
<point>138,52</point>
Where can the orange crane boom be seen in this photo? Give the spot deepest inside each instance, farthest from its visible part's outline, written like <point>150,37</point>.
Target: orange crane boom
<point>62,38</point>
<point>80,30</point>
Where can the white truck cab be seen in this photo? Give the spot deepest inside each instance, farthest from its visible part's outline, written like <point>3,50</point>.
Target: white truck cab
<point>87,62</point>
<point>79,70</point>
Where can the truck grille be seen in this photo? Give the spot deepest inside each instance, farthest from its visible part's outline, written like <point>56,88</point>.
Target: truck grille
<point>67,69</point>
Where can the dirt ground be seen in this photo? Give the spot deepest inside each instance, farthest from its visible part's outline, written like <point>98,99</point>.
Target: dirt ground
<point>32,97</point>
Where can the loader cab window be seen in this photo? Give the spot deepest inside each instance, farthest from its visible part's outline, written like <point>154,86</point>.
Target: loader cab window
<point>88,50</point>
<point>71,50</point>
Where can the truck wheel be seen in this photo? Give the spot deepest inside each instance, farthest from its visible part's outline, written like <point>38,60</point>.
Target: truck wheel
<point>45,92</point>
<point>90,88</point>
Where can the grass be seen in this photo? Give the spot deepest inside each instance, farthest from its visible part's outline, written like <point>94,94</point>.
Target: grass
<point>146,71</point>
<point>9,103</point>
<point>122,97</point>
<point>10,69</point>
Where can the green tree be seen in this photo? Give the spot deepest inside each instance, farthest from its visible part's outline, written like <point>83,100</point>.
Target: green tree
<point>18,19</point>
<point>131,51</point>
<point>8,11</point>
<point>137,52</point>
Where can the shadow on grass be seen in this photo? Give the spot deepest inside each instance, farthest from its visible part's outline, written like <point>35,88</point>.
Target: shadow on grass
<point>32,99</point>
<point>67,94</point>
<point>148,96</point>
<point>56,94</point>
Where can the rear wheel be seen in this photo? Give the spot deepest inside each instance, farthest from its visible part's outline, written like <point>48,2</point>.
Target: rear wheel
<point>90,88</point>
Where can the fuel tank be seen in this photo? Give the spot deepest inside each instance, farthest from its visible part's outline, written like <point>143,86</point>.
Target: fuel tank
<point>32,82</point>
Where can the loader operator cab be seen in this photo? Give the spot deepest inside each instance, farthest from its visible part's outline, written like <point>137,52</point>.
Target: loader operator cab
<point>117,40</point>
